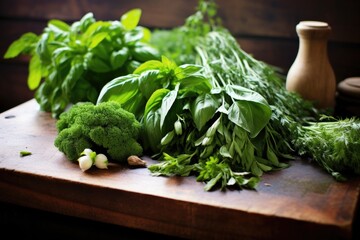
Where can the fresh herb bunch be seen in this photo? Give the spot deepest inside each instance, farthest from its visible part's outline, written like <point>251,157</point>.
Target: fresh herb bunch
<point>333,144</point>
<point>76,61</point>
<point>187,123</point>
<point>295,125</point>
<point>219,130</point>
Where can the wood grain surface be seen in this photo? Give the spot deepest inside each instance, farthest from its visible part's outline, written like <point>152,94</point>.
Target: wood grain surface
<point>300,202</point>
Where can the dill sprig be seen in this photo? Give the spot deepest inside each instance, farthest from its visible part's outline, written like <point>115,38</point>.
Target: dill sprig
<point>333,143</point>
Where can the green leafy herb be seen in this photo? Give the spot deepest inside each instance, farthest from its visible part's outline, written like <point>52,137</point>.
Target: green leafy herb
<point>71,63</point>
<point>334,144</point>
<point>25,153</point>
<point>215,121</point>
<point>295,126</point>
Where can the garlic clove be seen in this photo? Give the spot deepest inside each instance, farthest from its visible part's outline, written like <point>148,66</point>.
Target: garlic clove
<point>136,161</point>
<point>87,151</point>
<point>85,162</point>
<point>101,161</point>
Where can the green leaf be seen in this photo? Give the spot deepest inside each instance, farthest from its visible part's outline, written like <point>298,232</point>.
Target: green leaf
<point>86,21</point>
<point>58,26</point>
<point>118,58</point>
<point>132,65</point>
<point>61,55</point>
<point>58,102</point>
<point>42,47</point>
<point>251,111</point>
<point>96,39</point>
<point>95,28</point>
<point>131,18</point>
<point>167,102</point>
<point>264,167</point>
<point>73,76</point>
<point>271,156</point>
<point>103,50</point>
<point>241,93</point>
<point>152,132</point>
<point>134,36</point>
<point>146,34</point>
<point>149,65</point>
<point>148,82</point>
<point>210,184</point>
<point>255,169</point>
<point>143,52</point>
<point>21,45</point>
<point>155,100</point>
<point>186,70</point>
<point>97,65</point>
<point>196,84</point>
<point>169,64</point>
<point>224,152</point>
<point>25,153</point>
<point>250,116</point>
<point>121,89</point>
<point>203,109</point>
<point>34,77</point>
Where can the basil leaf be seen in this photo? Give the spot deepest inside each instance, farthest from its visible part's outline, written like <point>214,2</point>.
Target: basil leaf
<point>203,109</point>
<point>251,111</point>
<point>250,116</point>
<point>96,39</point>
<point>120,89</point>
<point>153,135</point>
<point>186,70</point>
<point>86,21</point>
<point>118,58</point>
<point>148,82</point>
<point>143,52</point>
<point>167,102</point>
<point>149,65</point>
<point>74,74</point>
<point>155,100</point>
<point>22,45</point>
<point>34,77</point>
<point>133,36</point>
<point>195,84</point>
<point>59,27</point>
<point>131,18</point>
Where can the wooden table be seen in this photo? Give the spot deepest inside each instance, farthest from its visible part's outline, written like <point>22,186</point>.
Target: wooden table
<point>300,202</point>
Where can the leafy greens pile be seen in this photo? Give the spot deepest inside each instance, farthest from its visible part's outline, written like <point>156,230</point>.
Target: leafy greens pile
<point>76,61</point>
<point>212,110</point>
<point>206,107</point>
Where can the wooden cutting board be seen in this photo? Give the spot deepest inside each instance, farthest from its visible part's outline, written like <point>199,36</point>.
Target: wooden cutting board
<point>300,202</point>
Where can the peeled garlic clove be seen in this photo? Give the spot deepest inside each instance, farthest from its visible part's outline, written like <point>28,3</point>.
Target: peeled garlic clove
<point>87,151</point>
<point>85,162</point>
<point>101,161</point>
<point>136,161</point>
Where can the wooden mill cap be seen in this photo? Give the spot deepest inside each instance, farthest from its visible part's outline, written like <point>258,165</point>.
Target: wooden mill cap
<point>313,29</point>
<point>350,87</point>
<point>314,24</point>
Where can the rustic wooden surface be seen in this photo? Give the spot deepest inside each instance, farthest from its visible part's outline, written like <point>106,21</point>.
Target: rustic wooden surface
<point>301,202</point>
<point>265,29</point>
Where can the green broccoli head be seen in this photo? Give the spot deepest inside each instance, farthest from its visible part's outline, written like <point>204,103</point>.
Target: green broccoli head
<point>105,127</point>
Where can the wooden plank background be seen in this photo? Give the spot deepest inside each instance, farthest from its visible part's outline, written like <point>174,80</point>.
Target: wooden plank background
<point>264,28</point>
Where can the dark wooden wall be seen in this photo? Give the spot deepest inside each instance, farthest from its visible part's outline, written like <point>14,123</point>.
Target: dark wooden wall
<point>264,28</point>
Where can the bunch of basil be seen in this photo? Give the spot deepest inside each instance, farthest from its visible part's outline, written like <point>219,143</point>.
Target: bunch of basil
<point>76,61</point>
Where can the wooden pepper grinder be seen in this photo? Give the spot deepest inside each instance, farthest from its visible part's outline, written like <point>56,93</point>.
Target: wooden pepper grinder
<point>311,74</point>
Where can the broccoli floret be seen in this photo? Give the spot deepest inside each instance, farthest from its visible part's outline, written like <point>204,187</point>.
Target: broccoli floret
<point>105,127</point>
